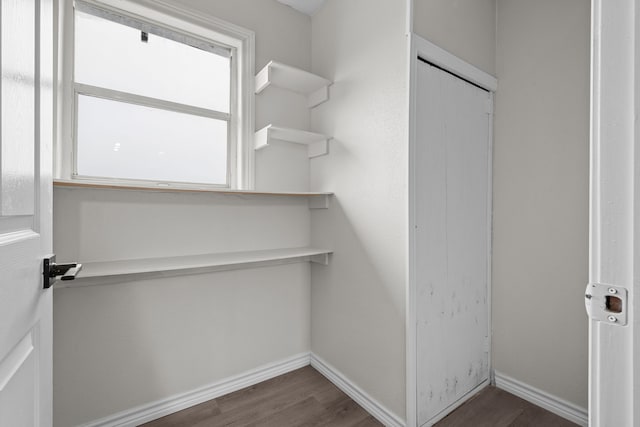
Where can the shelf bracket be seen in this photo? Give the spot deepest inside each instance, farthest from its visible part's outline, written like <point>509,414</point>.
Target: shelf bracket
<point>318,97</point>
<point>312,86</point>
<point>319,202</point>
<point>322,259</point>
<point>318,149</point>
<point>317,144</point>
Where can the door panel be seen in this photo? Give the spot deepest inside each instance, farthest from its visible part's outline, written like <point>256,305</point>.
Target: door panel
<point>26,123</point>
<point>452,239</point>
<point>18,107</point>
<point>18,385</point>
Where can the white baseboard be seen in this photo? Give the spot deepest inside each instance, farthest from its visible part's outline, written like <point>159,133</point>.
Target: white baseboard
<point>154,410</point>
<point>151,411</point>
<point>382,414</point>
<point>464,399</point>
<point>558,406</point>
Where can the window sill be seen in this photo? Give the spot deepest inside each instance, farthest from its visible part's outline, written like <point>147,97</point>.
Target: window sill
<point>317,200</point>
<point>113,272</point>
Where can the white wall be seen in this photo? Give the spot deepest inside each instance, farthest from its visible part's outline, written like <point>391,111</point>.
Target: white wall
<point>118,346</point>
<point>358,308</point>
<point>282,34</point>
<point>541,162</point>
<point>466,28</point>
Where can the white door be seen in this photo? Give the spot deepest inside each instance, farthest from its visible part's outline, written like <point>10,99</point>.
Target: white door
<point>452,181</point>
<point>26,131</point>
<point>614,356</point>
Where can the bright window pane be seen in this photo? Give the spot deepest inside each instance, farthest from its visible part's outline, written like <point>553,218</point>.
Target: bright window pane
<point>112,56</point>
<point>122,140</point>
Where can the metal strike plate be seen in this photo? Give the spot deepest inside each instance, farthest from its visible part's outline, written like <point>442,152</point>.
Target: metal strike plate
<point>606,303</point>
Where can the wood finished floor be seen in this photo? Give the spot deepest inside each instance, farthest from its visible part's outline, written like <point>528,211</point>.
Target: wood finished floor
<point>305,398</point>
<point>299,398</point>
<point>493,407</point>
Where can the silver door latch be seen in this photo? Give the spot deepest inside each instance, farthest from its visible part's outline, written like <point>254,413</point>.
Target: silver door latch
<point>606,303</point>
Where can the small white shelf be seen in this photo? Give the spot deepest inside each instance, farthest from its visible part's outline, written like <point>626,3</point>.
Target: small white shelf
<point>111,272</point>
<point>317,143</point>
<point>314,87</point>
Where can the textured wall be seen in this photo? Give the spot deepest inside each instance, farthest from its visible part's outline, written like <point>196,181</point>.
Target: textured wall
<point>541,176</point>
<point>358,307</point>
<point>119,346</point>
<point>466,28</point>
<point>284,35</point>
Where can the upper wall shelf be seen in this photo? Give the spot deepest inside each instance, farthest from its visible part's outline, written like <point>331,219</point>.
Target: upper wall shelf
<point>317,143</point>
<point>314,87</point>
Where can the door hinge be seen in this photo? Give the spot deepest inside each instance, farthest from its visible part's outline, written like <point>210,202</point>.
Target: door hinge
<point>606,303</point>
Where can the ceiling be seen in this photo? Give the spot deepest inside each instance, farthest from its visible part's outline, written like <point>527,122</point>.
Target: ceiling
<point>308,7</point>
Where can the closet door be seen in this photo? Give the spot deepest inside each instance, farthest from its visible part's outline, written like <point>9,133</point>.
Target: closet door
<point>452,240</point>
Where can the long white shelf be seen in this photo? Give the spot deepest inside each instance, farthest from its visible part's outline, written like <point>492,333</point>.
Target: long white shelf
<point>314,87</point>
<point>111,272</point>
<point>317,200</point>
<point>317,143</point>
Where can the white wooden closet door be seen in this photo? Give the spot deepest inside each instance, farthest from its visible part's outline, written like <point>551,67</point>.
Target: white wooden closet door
<point>452,240</point>
<point>26,133</point>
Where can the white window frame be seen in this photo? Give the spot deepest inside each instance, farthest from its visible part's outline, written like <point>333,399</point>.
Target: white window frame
<point>181,20</point>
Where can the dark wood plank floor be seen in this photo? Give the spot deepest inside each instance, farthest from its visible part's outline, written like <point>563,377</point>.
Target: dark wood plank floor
<point>493,407</point>
<point>299,398</point>
<point>305,398</point>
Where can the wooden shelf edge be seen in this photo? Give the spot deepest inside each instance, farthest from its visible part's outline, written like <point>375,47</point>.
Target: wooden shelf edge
<point>63,183</point>
<point>101,273</point>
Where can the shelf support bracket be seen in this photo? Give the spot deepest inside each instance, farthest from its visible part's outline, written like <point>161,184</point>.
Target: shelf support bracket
<point>322,259</point>
<point>318,97</point>
<point>319,202</point>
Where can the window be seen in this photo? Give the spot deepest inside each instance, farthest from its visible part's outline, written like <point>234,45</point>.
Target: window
<point>158,104</point>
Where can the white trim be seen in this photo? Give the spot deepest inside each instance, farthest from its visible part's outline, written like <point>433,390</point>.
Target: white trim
<point>410,5</point>
<point>558,406</point>
<point>132,98</point>
<point>373,407</point>
<point>440,57</point>
<point>410,300</point>
<point>154,410</point>
<point>491,109</point>
<point>455,405</point>
<point>614,238</point>
<point>184,20</point>
<point>420,47</point>
<point>160,408</point>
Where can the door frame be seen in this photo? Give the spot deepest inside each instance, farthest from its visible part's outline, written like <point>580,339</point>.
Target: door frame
<point>419,47</point>
<point>614,223</point>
